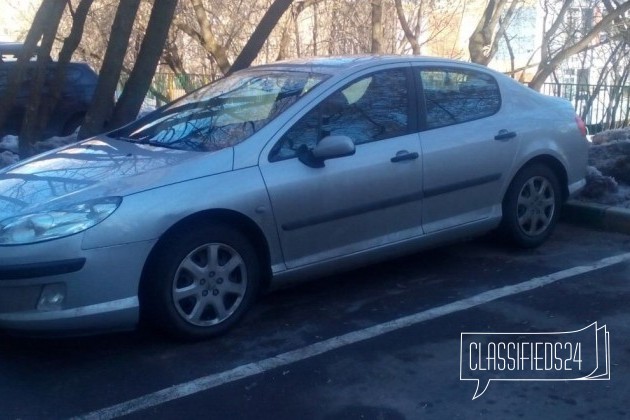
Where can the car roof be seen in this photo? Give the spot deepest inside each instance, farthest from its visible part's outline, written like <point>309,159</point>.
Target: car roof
<point>335,64</point>
<point>12,49</point>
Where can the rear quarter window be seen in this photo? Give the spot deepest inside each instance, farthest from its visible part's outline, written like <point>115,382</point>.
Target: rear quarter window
<point>454,96</point>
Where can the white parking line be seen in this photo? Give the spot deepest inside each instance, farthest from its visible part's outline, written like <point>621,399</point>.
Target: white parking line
<point>217,379</point>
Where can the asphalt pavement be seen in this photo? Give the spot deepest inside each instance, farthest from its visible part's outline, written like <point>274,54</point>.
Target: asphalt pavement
<point>381,342</point>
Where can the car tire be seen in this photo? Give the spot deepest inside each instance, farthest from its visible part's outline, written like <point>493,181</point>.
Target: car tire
<point>531,206</point>
<point>201,282</point>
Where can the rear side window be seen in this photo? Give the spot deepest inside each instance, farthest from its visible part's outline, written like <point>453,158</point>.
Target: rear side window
<point>454,96</point>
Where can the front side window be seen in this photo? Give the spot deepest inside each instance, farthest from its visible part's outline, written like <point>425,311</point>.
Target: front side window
<point>455,96</point>
<point>374,107</point>
<point>223,113</point>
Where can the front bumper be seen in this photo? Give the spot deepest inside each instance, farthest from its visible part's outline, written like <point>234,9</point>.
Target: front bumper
<point>91,289</point>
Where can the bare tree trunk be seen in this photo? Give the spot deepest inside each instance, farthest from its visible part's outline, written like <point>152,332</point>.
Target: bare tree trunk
<point>291,24</point>
<point>484,41</point>
<point>173,59</point>
<point>411,37</point>
<point>616,98</point>
<point>377,27</point>
<point>508,44</point>
<point>261,33</point>
<point>298,40</point>
<point>143,71</point>
<point>103,103</point>
<point>70,45</point>
<point>315,29</point>
<point>333,25</point>
<point>285,39</point>
<point>30,130</point>
<point>600,82</point>
<point>208,40</point>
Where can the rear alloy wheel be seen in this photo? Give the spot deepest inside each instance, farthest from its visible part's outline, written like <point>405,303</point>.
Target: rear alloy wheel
<point>531,206</point>
<point>205,280</point>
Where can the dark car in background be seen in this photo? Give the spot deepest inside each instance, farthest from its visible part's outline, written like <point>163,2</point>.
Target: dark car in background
<point>70,110</point>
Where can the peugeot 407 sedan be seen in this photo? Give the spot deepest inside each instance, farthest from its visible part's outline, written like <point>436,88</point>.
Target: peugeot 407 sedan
<point>281,171</point>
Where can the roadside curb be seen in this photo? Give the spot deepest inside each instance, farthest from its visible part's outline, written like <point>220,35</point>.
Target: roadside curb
<point>599,216</point>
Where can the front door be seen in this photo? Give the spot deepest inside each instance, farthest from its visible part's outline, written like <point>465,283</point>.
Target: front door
<point>355,202</point>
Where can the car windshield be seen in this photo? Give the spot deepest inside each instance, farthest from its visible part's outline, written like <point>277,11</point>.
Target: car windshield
<point>223,113</point>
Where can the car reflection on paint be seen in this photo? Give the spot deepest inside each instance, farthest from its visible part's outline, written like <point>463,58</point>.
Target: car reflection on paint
<point>277,172</point>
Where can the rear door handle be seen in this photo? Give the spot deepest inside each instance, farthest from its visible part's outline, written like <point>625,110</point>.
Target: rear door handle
<point>505,135</point>
<point>405,155</point>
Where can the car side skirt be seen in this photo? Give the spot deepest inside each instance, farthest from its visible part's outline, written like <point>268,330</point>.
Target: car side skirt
<point>381,253</point>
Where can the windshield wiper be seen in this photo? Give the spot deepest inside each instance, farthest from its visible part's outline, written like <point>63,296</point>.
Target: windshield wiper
<point>147,141</point>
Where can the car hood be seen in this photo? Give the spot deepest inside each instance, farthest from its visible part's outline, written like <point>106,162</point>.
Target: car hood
<point>100,167</point>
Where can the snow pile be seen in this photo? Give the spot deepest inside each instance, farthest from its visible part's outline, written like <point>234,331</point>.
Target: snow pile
<point>55,142</point>
<point>9,147</point>
<point>608,177</point>
<point>8,151</point>
<point>610,153</point>
<point>609,136</point>
<point>8,158</point>
<point>9,143</point>
<point>599,187</point>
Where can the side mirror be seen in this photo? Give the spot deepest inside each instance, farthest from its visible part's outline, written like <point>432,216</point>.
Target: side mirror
<point>328,148</point>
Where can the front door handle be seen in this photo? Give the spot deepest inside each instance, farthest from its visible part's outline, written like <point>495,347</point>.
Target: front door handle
<point>505,135</point>
<point>405,155</point>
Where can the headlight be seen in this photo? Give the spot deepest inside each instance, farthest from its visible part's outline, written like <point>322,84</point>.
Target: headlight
<point>56,222</point>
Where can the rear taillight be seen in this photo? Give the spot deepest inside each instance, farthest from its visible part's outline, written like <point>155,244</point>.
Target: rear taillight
<point>581,125</point>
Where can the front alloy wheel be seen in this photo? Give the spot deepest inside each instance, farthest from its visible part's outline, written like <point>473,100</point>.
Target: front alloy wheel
<point>209,284</point>
<point>200,281</point>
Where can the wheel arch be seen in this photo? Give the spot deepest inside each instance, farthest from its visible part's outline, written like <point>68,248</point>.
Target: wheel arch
<point>231,218</point>
<point>552,163</point>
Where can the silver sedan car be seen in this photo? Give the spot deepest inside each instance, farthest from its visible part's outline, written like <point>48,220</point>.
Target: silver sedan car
<point>277,172</point>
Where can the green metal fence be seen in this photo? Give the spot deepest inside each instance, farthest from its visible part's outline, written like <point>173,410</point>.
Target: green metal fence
<point>602,107</point>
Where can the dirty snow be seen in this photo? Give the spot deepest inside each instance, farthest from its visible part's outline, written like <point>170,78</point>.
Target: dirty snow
<point>55,142</point>
<point>608,177</point>
<point>9,147</point>
<point>8,151</point>
<point>9,143</point>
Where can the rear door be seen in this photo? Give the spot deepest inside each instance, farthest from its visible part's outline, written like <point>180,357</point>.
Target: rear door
<point>468,145</point>
<point>357,202</point>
